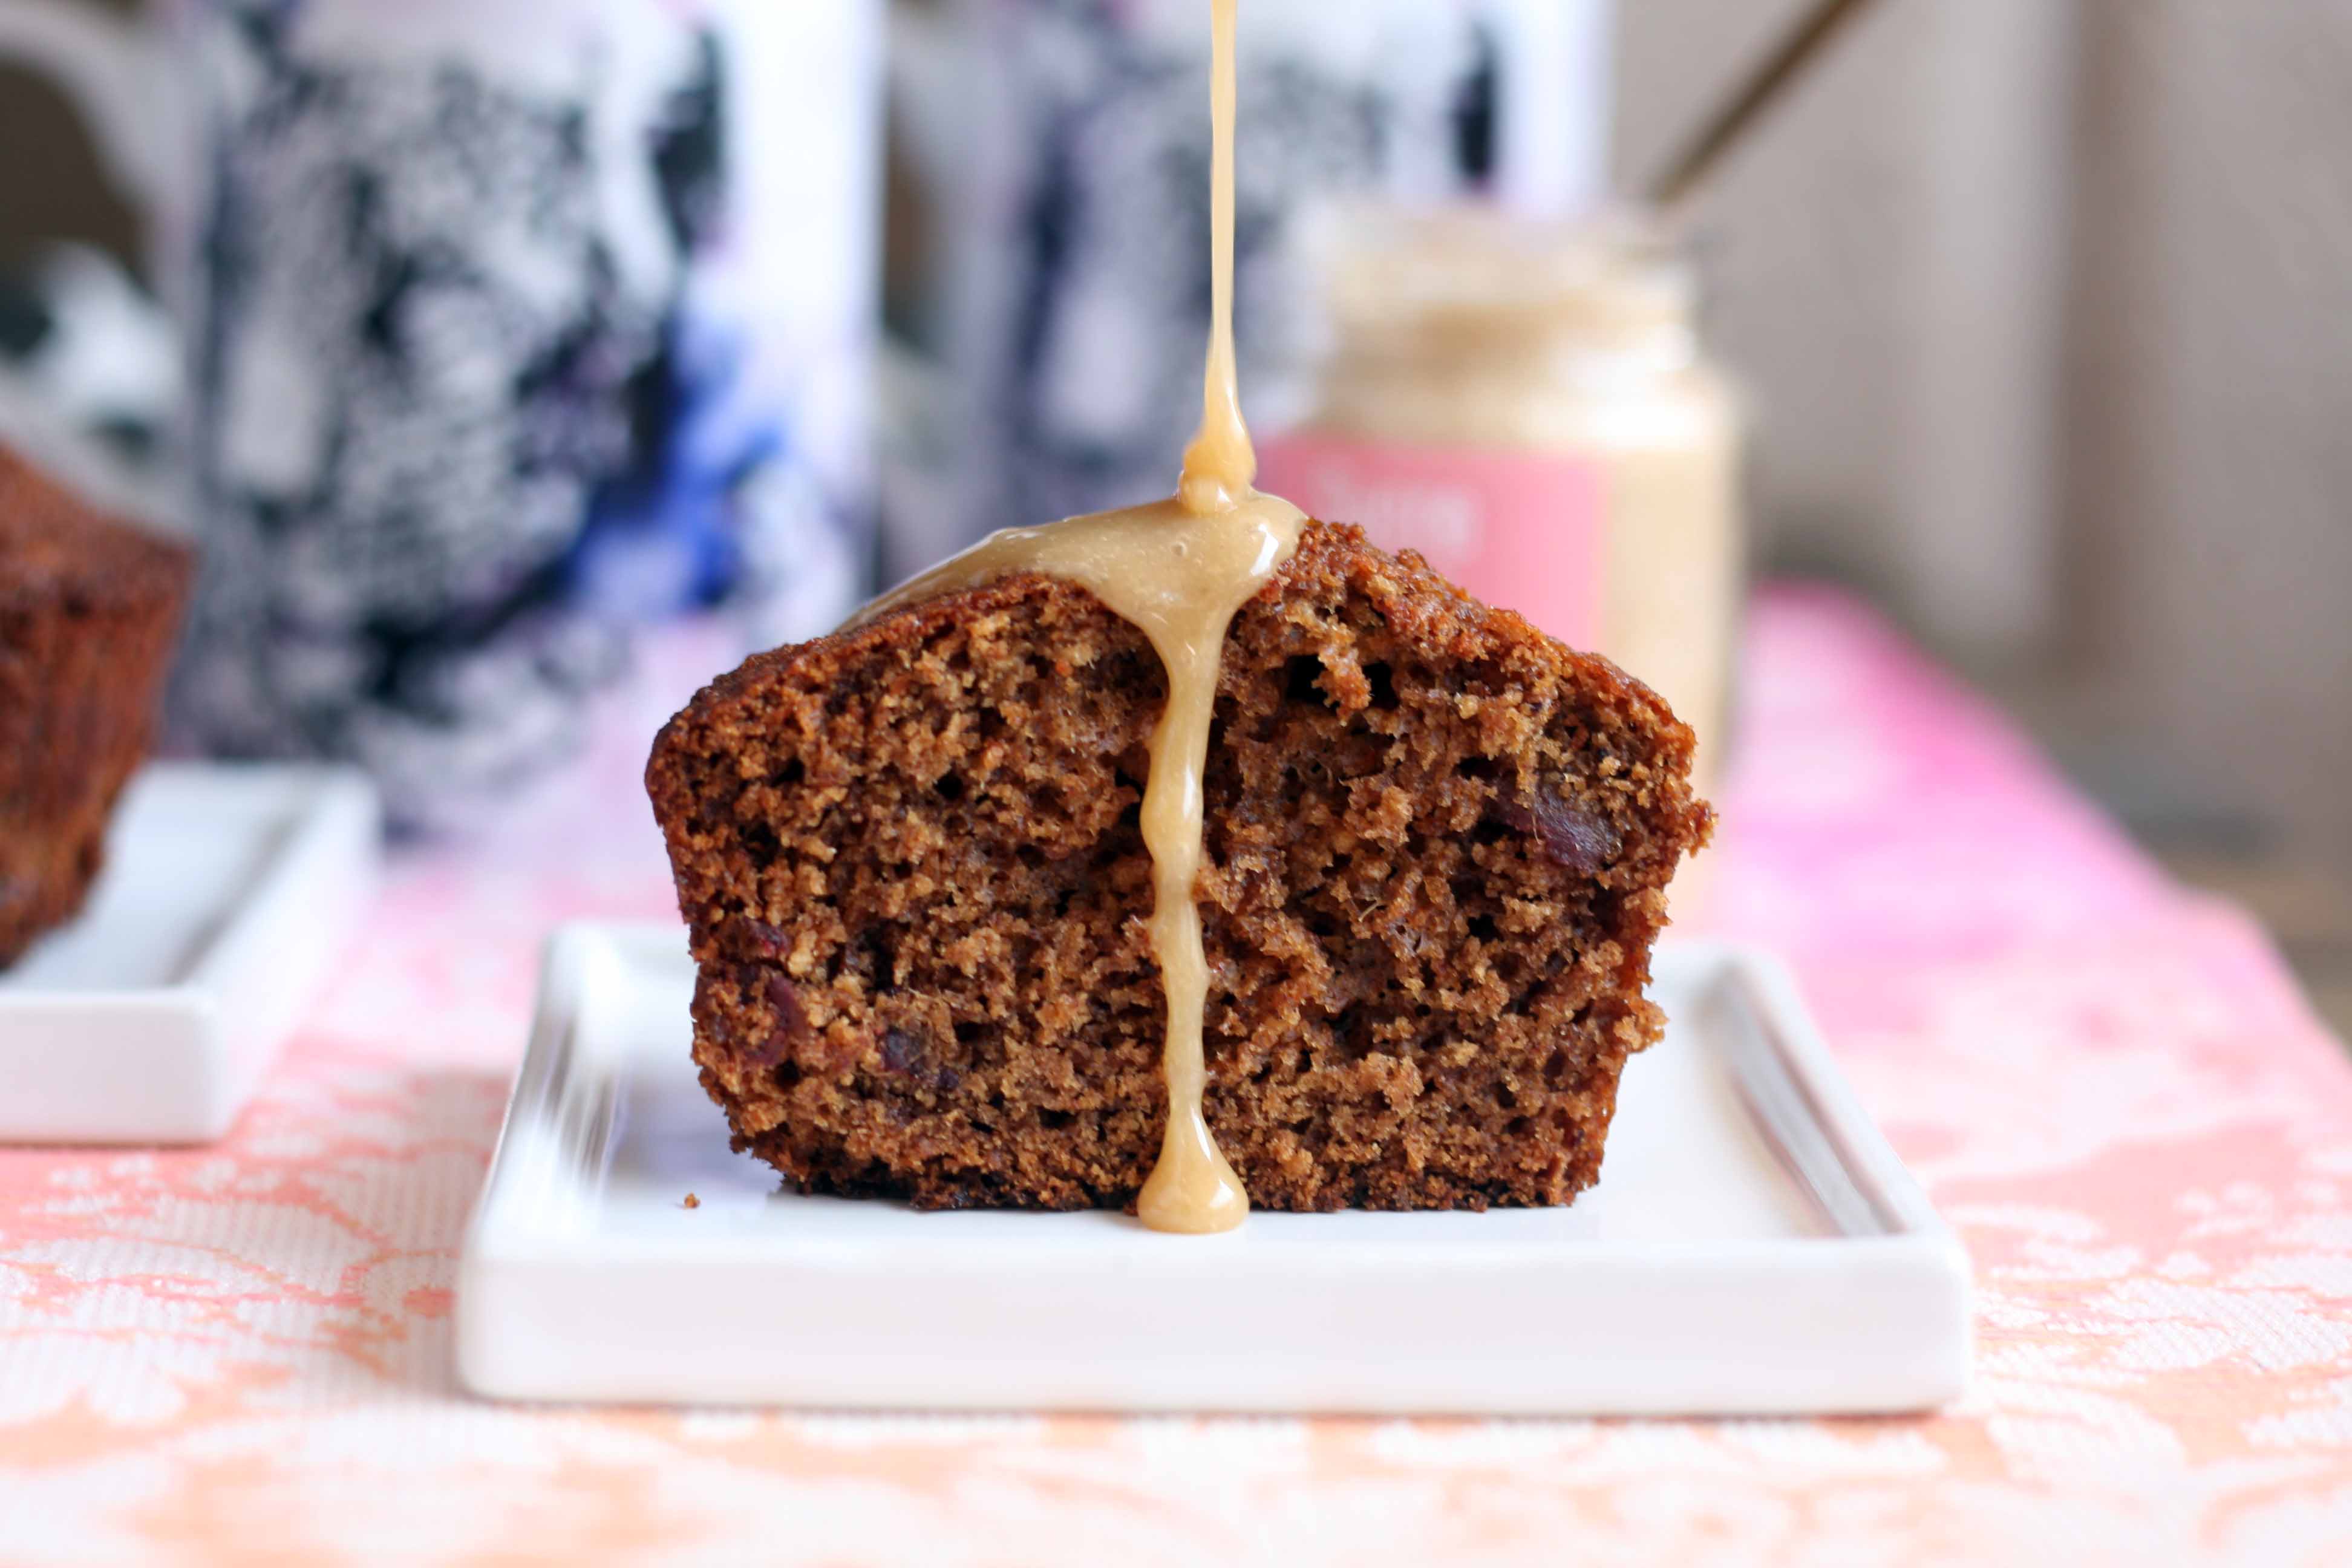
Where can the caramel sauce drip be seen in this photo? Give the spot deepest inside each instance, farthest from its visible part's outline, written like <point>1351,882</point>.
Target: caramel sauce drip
<point>1177,570</point>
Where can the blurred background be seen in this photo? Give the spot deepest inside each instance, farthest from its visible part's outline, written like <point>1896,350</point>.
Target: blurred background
<point>2040,312</point>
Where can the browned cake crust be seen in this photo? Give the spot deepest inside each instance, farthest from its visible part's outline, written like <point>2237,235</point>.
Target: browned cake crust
<point>1438,842</point>
<point>89,609</point>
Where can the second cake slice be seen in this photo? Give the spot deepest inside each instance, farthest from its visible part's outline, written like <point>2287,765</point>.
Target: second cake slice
<point>1438,845</point>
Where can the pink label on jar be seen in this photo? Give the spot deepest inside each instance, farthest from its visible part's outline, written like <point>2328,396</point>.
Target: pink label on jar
<point>1519,530</point>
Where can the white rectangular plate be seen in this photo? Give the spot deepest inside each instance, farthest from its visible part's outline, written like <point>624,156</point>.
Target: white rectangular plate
<point>228,892</point>
<point>1753,1247</point>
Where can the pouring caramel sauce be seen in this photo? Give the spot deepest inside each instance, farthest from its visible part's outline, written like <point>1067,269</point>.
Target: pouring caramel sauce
<point>1177,570</point>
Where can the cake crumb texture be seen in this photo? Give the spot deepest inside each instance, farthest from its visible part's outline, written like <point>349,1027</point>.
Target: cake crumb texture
<point>88,611</point>
<point>1438,842</point>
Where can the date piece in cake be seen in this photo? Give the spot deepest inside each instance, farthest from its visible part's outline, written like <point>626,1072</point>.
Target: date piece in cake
<point>89,608</point>
<point>1438,849</point>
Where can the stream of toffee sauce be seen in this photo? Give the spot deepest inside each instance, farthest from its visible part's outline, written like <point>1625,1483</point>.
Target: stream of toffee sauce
<point>1177,569</point>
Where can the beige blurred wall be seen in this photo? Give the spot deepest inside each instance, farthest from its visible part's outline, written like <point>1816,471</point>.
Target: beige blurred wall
<point>2210,396</point>
<point>1887,265</point>
<point>2160,193</point>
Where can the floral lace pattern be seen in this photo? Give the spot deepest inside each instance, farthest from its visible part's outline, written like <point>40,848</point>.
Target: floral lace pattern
<point>2113,1089</point>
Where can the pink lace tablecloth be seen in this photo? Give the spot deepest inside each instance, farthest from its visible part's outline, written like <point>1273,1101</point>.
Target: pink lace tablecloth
<point>2111,1088</point>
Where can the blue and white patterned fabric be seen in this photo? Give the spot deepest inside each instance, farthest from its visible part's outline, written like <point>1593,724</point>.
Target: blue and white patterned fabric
<point>473,390</point>
<point>1089,343</point>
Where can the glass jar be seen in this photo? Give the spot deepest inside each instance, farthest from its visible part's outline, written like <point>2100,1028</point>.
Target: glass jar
<point>1526,404</point>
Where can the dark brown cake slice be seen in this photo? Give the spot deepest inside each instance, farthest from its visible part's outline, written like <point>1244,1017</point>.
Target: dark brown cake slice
<point>1438,842</point>
<point>89,610</point>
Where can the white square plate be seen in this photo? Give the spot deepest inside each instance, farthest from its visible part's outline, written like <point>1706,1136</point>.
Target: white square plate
<point>227,893</point>
<point>1753,1247</point>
